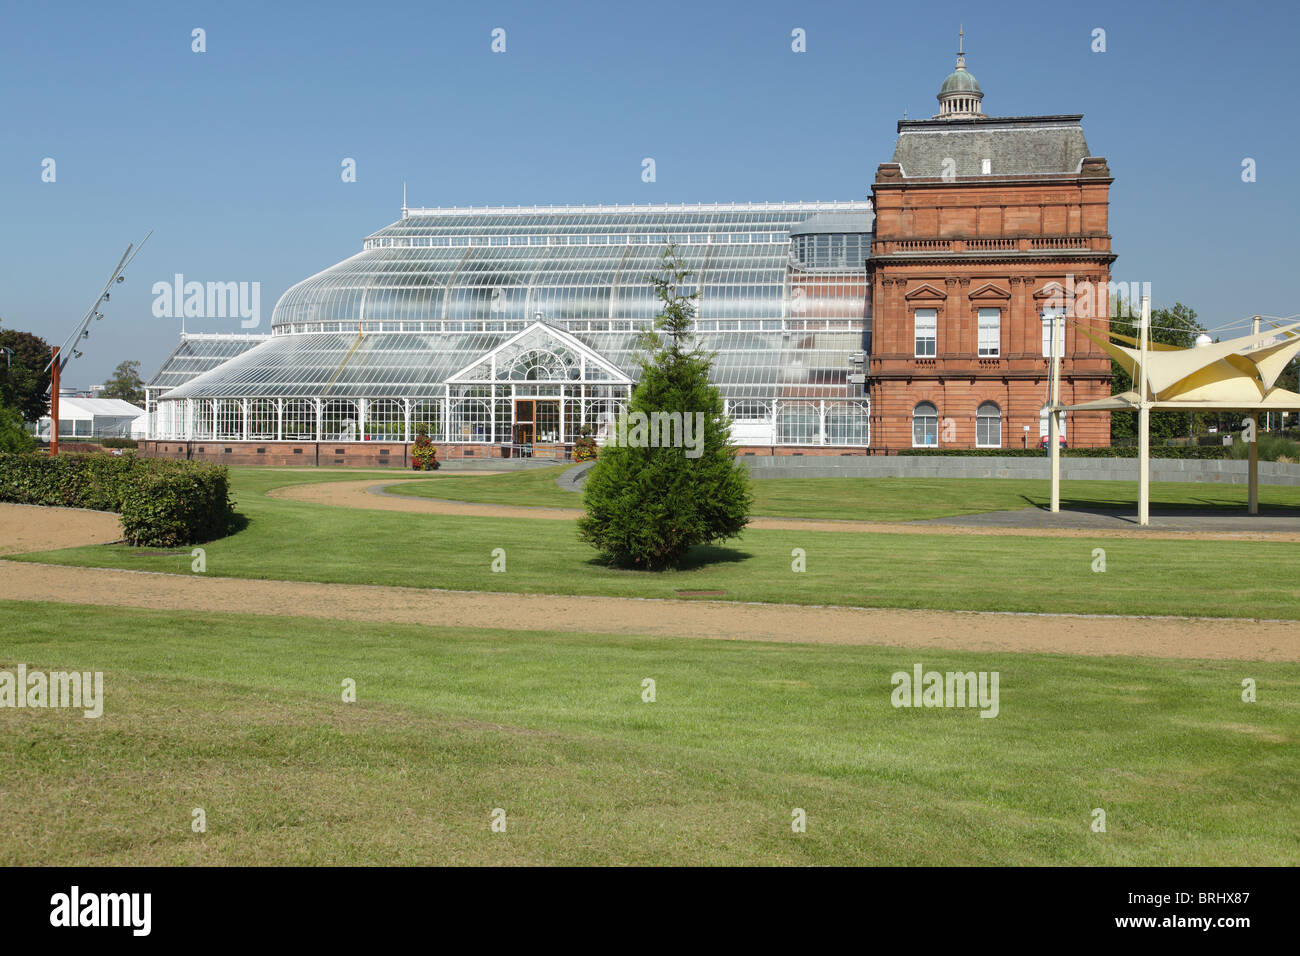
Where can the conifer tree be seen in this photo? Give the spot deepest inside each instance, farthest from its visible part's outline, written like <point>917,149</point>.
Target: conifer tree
<point>648,505</point>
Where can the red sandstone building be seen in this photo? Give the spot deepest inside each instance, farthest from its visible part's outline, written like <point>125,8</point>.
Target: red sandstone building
<point>984,228</point>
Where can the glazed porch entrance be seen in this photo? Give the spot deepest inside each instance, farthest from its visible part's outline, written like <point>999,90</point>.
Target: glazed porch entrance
<point>537,422</point>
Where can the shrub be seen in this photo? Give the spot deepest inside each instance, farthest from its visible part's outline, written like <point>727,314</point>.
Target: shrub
<point>163,503</point>
<point>1271,448</point>
<point>120,443</point>
<point>169,507</point>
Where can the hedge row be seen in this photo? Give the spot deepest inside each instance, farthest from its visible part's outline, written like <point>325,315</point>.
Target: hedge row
<point>1157,451</point>
<point>163,503</point>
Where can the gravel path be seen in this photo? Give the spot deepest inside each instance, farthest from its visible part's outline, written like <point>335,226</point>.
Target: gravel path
<point>33,528</point>
<point>717,620</point>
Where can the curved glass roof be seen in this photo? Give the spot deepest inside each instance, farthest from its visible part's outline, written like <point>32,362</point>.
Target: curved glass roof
<point>567,263</point>
<point>439,289</point>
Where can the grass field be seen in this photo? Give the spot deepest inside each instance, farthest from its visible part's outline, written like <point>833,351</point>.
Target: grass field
<point>241,716</point>
<point>301,541</point>
<point>881,499</point>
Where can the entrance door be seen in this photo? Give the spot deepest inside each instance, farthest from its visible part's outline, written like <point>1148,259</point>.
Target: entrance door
<point>547,421</point>
<point>524,422</point>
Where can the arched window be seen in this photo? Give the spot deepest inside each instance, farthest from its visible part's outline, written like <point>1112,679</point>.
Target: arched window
<point>385,420</point>
<point>263,419</point>
<point>230,420</point>
<point>925,426</point>
<point>299,419</point>
<point>988,425</point>
<point>339,418</point>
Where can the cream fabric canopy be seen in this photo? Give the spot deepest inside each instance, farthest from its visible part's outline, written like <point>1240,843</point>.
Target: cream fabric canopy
<point>1240,373</point>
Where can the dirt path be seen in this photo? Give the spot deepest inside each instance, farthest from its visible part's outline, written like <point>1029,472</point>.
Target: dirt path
<point>369,494</point>
<point>1062,634</point>
<point>33,528</point>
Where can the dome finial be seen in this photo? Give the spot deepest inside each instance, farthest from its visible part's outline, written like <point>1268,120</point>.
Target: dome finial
<point>960,95</point>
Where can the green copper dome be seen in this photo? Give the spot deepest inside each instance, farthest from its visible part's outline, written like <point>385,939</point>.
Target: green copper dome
<point>959,81</point>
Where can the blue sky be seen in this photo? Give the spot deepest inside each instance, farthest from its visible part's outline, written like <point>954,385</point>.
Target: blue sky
<point>233,156</point>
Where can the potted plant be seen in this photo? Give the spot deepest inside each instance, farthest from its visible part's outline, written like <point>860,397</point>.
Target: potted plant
<point>584,446</point>
<point>424,454</point>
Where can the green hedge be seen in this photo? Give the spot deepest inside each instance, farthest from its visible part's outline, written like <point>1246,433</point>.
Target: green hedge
<point>162,503</point>
<point>1157,451</point>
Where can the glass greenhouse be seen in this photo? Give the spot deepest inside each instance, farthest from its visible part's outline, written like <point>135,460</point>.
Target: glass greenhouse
<point>519,326</point>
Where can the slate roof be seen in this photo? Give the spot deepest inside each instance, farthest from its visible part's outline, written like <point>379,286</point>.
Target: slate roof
<point>1017,145</point>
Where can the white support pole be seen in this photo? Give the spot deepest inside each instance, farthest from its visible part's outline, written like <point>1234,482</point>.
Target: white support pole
<point>1144,421</point>
<point>1253,468</point>
<point>1053,416</point>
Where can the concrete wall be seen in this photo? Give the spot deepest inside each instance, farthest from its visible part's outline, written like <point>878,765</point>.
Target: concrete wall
<point>1091,469</point>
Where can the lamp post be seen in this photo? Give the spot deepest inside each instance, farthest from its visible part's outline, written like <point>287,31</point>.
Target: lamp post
<point>1144,421</point>
<point>55,366</point>
<point>1053,419</point>
<point>1252,470</point>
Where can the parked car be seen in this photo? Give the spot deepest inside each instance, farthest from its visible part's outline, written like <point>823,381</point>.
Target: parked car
<point>1042,442</point>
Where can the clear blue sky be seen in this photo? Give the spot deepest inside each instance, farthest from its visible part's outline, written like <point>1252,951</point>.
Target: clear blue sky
<point>233,156</point>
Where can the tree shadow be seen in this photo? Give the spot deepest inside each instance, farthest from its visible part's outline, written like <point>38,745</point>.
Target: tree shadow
<point>1196,507</point>
<point>700,556</point>
<point>705,554</point>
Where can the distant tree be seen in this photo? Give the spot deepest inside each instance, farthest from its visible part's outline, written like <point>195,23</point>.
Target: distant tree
<point>125,384</point>
<point>1172,326</point>
<point>13,436</point>
<point>24,382</point>
<point>648,506</point>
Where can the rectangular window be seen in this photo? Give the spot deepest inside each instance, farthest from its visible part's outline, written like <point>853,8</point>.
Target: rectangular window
<point>926,332</point>
<point>990,333</point>
<point>1048,315</point>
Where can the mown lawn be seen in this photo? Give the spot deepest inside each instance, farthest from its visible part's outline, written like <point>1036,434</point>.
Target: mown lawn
<point>883,499</point>
<point>309,542</point>
<point>242,716</point>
